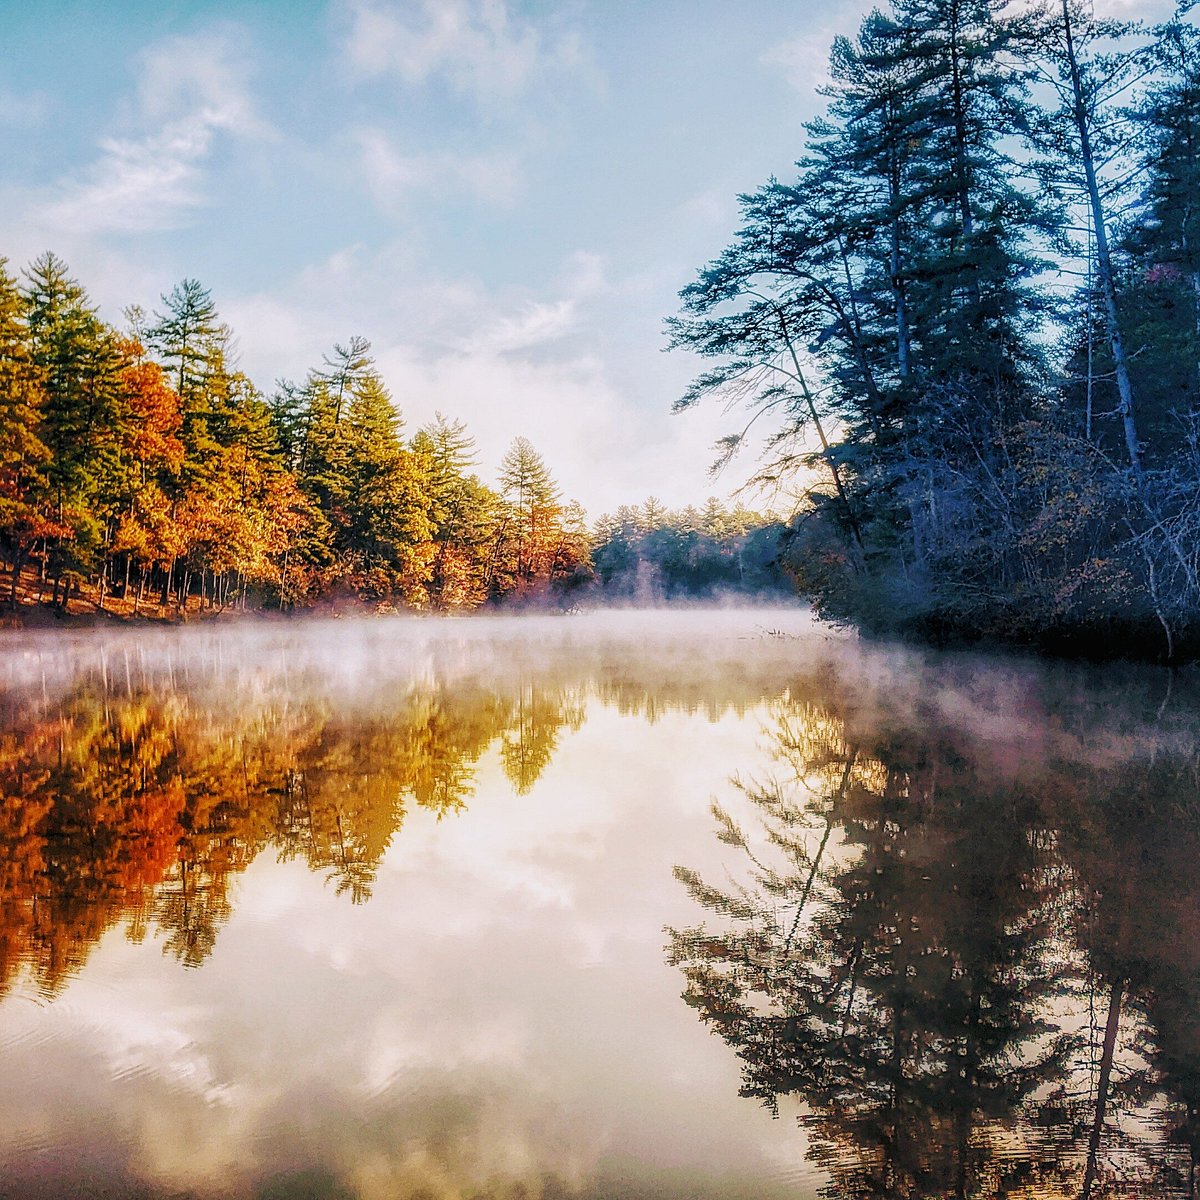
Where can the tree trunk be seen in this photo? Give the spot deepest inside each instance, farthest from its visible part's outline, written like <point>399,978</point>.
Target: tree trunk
<point>18,562</point>
<point>165,594</point>
<point>1107,1054</point>
<point>1103,257</point>
<point>895,263</point>
<point>825,449</point>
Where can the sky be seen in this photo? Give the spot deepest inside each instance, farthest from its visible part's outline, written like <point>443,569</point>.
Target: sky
<point>504,196</point>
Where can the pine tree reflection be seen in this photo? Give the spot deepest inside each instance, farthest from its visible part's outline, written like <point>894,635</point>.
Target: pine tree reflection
<point>143,810</point>
<point>1134,849</point>
<point>137,798</point>
<point>916,922</point>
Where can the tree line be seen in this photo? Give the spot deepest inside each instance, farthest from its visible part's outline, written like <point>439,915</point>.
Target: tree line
<point>974,312</point>
<point>142,469</point>
<point>144,464</point>
<point>651,554</point>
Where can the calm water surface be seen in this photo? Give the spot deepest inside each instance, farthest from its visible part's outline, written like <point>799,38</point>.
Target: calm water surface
<point>713,905</point>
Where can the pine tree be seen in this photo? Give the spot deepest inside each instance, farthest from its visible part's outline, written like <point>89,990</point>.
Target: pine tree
<point>1170,121</point>
<point>186,337</point>
<point>975,307</point>
<point>23,456</point>
<point>373,493</point>
<point>347,369</point>
<point>532,498</point>
<point>1082,140</point>
<point>191,343</point>
<point>83,413</point>
<point>463,513</point>
<point>878,314</point>
<point>1158,249</point>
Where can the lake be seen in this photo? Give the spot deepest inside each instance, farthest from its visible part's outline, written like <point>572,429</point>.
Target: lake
<point>709,904</point>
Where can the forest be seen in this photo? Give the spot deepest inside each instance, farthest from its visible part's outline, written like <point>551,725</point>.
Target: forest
<point>142,472</point>
<point>969,325</point>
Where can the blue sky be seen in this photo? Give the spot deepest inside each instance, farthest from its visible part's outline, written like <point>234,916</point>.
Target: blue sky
<point>505,197</point>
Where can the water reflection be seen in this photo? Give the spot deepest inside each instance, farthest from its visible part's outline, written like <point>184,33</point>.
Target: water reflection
<point>142,807</point>
<point>139,777</point>
<point>491,1019</point>
<point>137,793</point>
<point>966,934</point>
<point>419,873</point>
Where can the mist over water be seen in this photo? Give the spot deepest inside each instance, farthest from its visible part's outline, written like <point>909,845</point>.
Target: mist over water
<point>377,908</point>
<point>347,656</point>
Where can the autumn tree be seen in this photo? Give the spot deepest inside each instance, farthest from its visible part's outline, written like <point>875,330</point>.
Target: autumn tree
<point>145,535</point>
<point>531,551</point>
<point>463,511</point>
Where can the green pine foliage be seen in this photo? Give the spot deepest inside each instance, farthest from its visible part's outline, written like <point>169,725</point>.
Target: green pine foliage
<point>24,457</point>
<point>970,326</point>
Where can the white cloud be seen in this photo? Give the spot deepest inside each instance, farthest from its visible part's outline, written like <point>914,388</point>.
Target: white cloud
<point>565,406</point>
<point>207,74</point>
<point>136,185</point>
<point>393,177</point>
<point>534,325</point>
<point>191,89</point>
<point>536,364</point>
<point>477,45</point>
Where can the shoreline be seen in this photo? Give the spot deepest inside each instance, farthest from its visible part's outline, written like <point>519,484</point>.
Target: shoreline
<point>1111,645</point>
<point>1100,642</point>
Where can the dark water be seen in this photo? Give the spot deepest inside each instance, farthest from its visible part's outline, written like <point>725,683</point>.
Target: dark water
<point>378,910</point>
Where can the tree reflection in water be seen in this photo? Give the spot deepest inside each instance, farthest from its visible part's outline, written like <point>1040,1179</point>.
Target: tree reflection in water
<point>137,797</point>
<point>975,959</point>
<point>144,809</point>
